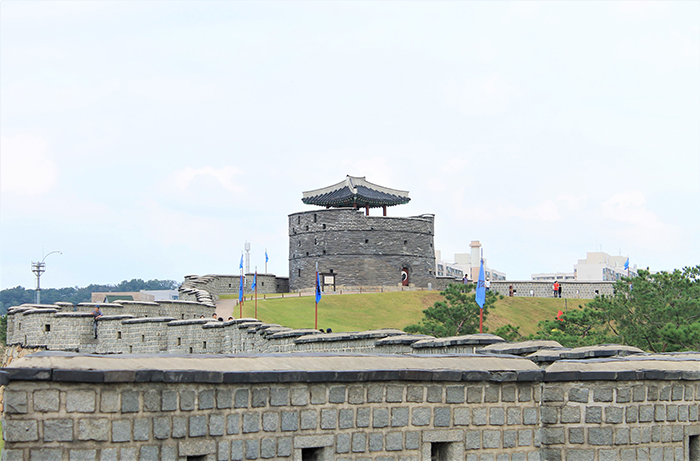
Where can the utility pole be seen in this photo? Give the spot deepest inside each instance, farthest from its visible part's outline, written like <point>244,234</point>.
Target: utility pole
<point>247,257</point>
<point>39,268</point>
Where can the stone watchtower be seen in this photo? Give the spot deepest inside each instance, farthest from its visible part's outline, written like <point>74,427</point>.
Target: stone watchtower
<point>354,249</point>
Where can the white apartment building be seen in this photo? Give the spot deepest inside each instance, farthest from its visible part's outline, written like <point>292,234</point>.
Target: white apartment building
<point>466,263</point>
<point>597,267</point>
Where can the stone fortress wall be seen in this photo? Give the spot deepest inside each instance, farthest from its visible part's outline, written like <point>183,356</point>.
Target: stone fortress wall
<point>207,288</point>
<point>360,250</point>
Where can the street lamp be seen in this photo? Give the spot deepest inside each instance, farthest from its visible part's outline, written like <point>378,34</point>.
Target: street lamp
<point>39,268</point>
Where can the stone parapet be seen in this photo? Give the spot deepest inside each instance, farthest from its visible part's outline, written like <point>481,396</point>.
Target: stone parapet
<point>537,289</point>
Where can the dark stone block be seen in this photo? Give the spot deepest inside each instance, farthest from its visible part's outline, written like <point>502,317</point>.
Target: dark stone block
<point>29,374</point>
<point>178,377</point>
<point>119,376</point>
<point>476,376</point>
<point>555,376</point>
<point>149,376</point>
<point>208,377</point>
<point>598,375</point>
<point>530,375</point>
<point>78,376</point>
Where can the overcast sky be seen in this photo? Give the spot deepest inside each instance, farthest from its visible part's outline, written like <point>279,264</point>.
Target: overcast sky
<point>152,139</point>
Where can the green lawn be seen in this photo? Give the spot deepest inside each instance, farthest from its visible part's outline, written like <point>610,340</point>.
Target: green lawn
<point>357,312</point>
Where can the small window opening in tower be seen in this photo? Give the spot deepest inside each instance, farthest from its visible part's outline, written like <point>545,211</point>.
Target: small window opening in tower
<point>366,240</point>
<point>47,327</point>
<point>315,218</point>
<point>311,454</point>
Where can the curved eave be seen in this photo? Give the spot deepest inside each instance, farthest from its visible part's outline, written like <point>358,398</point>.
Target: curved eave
<point>359,201</point>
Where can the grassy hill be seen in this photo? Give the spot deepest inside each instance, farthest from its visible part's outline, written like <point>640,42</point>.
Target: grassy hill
<point>357,312</point>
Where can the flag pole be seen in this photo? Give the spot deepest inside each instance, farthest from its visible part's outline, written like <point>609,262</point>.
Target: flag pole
<point>316,298</point>
<point>240,301</point>
<point>256,291</point>
<point>266,260</point>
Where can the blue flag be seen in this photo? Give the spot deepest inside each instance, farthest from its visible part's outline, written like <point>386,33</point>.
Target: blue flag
<point>266,258</point>
<point>481,287</point>
<point>318,287</point>
<point>240,289</point>
<point>240,266</point>
<point>255,281</point>
<point>627,264</point>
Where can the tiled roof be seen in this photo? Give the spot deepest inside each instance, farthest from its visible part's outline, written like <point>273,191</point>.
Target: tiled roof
<point>355,190</point>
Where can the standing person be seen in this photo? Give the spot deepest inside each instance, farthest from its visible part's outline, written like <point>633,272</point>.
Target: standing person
<point>510,291</point>
<point>487,284</point>
<point>97,313</point>
<point>560,287</point>
<point>555,288</point>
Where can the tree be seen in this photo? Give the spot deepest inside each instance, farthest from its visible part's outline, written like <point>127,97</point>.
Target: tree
<point>655,312</point>
<point>457,315</point>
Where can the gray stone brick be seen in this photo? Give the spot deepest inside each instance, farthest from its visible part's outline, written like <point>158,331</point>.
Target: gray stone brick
<point>161,427</point>
<point>290,421</point>
<point>441,416</point>
<point>342,443</point>
<point>492,439</point>
<point>223,451</point>
<point>434,394</point>
<point>128,452</point>
<point>260,397</point>
<point>646,413</point>
<point>96,429</point>
<point>621,436</point>
<point>232,424</point>
<point>216,425</point>
<point>530,416</point>
<point>80,401</point>
<point>638,393</point>
<point>363,415</point>
<point>318,395</point>
<point>224,399</point>
<point>508,394</point>
<point>279,396</point>
<point>580,455</point>
<point>665,393</point>
<point>149,453</point>
<point>472,440</point>
<point>180,427</point>
<point>251,423</point>
<point>394,441</point>
<point>480,416</point>
<point>58,430</point>
<point>576,435</point>
<point>692,413</point>
<point>600,436</point>
<point>329,418</point>
<point>463,416</point>
<point>205,400</point>
<point>151,401</point>
<point>142,429</point>
<point>241,398</point>
<point>252,449</point>
<point>415,394</point>
<point>570,414</point>
<point>594,415</point>
<point>412,440</point>
<point>509,439</point>
<point>660,412</point>
<point>45,454</point>
<point>420,416</point>
<point>683,413</point>
<point>579,395</point>
<point>652,393</point>
<point>550,415</point>
<point>455,394</point>
<point>671,412</point>
<point>86,455</point>
<point>628,454</point>
<point>632,414</point>
<point>121,430</point>
<point>524,437</point>
<point>12,455</point>
<point>300,396</point>
<point>552,394</point>
<point>309,419</point>
<point>187,400</point>
<point>359,442</point>
<point>614,415</point>
<point>475,394</point>
<point>380,417</point>
<point>602,394</point>
<point>237,450</point>
<point>346,418</point>
<point>553,435</point>
<point>525,393</point>
<point>336,394</point>
<point>268,447</point>
<point>623,395</point>
<point>168,401</point>
<point>270,421</point>
<point>492,393</point>
<point>46,400</point>
<point>284,446</point>
<point>607,455</point>
<point>677,433</point>
<point>15,402</point>
<point>130,402</point>
<point>376,441</point>
<point>497,416</point>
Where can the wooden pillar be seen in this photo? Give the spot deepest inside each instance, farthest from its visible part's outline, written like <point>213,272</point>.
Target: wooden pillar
<point>384,208</point>
<point>366,210</point>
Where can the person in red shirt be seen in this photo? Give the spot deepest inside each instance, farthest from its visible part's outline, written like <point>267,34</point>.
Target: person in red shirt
<point>555,288</point>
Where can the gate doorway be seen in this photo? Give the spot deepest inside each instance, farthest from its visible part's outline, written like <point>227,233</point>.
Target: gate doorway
<point>404,276</point>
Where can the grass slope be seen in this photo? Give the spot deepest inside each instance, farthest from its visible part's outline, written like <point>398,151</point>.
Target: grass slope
<point>357,312</point>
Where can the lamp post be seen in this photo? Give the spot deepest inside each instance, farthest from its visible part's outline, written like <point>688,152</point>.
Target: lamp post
<point>39,268</point>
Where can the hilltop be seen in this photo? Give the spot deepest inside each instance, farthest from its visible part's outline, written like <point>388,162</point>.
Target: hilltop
<point>357,312</point>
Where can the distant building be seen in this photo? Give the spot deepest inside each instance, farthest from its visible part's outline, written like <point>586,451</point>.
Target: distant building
<point>597,267</point>
<point>466,263</point>
<point>162,295</point>
<point>111,296</point>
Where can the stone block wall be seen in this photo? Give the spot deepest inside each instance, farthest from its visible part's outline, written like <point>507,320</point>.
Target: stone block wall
<point>358,249</point>
<point>570,289</point>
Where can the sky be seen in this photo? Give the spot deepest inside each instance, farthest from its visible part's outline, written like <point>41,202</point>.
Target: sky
<point>152,139</point>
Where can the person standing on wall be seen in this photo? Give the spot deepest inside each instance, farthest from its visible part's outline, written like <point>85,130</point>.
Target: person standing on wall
<point>487,284</point>
<point>555,288</point>
<point>560,287</point>
<point>97,313</point>
<point>510,291</point>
